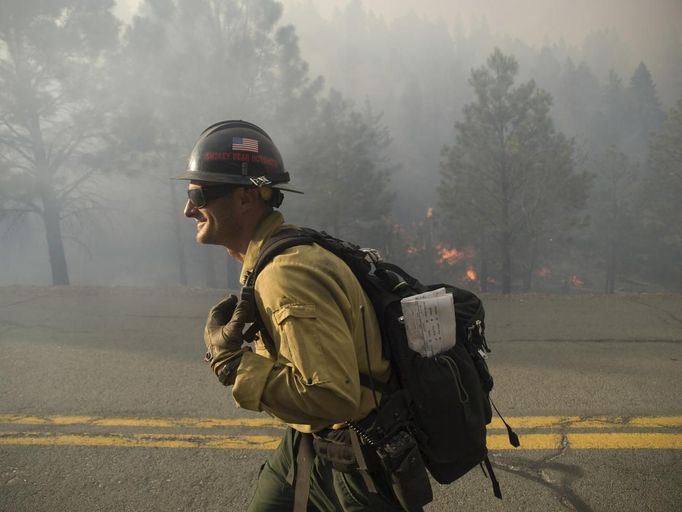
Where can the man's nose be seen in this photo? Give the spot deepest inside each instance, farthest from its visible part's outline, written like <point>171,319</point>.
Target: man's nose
<point>190,209</point>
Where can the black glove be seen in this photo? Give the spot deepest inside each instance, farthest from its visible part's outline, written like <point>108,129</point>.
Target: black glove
<point>223,335</point>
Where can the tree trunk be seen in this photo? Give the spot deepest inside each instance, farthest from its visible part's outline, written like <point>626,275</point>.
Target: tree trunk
<point>177,233</point>
<point>53,235</point>
<point>505,249</point>
<point>51,208</point>
<point>527,278</point>
<point>506,236</point>
<point>429,253</point>
<point>611,257</point>
<point>527,273</point>
<point>483,266</point>
<point>530,265</point>
<point>611,268</point>
<point>484,274</point>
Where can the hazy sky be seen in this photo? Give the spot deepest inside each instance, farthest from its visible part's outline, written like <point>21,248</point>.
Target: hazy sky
<point>636,21</point>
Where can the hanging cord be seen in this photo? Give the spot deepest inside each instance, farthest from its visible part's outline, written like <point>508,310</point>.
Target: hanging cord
<point>454,370</point>
<point>369,365</point>
<point>513,438</point>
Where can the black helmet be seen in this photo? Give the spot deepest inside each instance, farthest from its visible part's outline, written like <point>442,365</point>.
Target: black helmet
<point>238,153</point>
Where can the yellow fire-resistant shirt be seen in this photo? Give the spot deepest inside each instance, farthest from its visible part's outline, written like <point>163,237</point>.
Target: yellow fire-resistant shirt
<point>309,301</point>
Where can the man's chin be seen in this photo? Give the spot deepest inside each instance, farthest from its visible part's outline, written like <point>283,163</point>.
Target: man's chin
<point>205,240</point>
<point>204,237</point>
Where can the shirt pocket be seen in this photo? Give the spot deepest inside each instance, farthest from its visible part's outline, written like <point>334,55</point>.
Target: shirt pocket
<point>299,330</point>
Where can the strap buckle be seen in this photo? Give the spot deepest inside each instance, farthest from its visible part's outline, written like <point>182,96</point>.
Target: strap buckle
<point>260,181</point>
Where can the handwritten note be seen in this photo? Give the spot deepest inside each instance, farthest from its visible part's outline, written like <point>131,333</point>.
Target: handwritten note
<point>430,322</point>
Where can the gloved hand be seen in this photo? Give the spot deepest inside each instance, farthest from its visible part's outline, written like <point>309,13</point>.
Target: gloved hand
<point>223,335</point>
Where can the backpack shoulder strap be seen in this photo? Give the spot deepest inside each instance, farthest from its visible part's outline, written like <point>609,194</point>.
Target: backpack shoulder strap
<point>275,245</point>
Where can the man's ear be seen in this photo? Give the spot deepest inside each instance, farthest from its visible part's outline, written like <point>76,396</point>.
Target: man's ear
<point>249,197</point>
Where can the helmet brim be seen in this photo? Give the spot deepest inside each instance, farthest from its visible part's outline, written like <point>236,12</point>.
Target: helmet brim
<point>244,181</point>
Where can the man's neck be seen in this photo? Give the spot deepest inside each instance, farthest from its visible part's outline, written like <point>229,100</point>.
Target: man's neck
<point>250,228</point>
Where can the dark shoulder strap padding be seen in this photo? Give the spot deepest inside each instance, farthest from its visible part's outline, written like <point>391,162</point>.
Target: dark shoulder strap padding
<point>275,245</point>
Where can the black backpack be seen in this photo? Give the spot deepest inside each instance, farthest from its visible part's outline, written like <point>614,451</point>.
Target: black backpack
<point>449,392</point>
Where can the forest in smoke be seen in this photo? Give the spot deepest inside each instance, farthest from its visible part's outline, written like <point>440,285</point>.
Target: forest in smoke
<point>464,155</point>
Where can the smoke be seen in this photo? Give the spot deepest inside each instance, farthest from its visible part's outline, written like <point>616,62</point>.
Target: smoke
<point>402,67</point>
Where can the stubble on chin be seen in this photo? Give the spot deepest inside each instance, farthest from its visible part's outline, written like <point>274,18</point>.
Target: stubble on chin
<point>203,236</point>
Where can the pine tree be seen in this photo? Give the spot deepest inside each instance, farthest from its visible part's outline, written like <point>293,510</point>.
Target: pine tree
<point>645,114</point>
<point>52,63</point>
<point>509,177</point>
<point>610,122</point>
<point>577,98</point>
<point>614,221</point>
<point>342,161</point>
<point>209,61</point>
<point>660,200</point>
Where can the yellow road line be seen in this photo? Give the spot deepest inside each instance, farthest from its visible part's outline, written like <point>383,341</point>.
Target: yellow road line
<point>609,441</point>
<point>591,441</point>
<point>660,421</point>
<point>139,440</point>
<point>580,441</point>
<point>600,422</point>
<point>139,422</point>
<point>518,422</point>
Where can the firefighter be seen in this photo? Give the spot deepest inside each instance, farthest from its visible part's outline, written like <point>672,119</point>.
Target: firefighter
<point>312,308</point>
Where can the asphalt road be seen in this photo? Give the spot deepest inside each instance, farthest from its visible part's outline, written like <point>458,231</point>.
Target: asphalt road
<point>105,404</point>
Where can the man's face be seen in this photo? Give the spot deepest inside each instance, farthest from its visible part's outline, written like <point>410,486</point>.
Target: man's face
<point>217,221</point>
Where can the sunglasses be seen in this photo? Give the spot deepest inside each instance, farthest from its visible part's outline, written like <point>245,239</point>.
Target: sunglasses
<point>199,197</point>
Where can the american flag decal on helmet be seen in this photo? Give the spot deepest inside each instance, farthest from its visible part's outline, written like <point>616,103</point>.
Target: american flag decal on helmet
<point>244,144</point>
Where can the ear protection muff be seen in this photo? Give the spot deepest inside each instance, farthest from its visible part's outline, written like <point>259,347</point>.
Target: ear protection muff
<point>273,197</point>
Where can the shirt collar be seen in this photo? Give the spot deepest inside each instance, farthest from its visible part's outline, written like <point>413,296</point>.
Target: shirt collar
<point>265,229</point>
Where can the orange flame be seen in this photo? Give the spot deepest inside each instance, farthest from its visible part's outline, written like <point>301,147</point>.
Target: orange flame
<point>429,213</point>
<point>412,249</point>
<point>447,255</point>
<point>471,274</point>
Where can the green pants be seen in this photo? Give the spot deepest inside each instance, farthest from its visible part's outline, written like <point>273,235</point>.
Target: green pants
<point>330,490</point>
